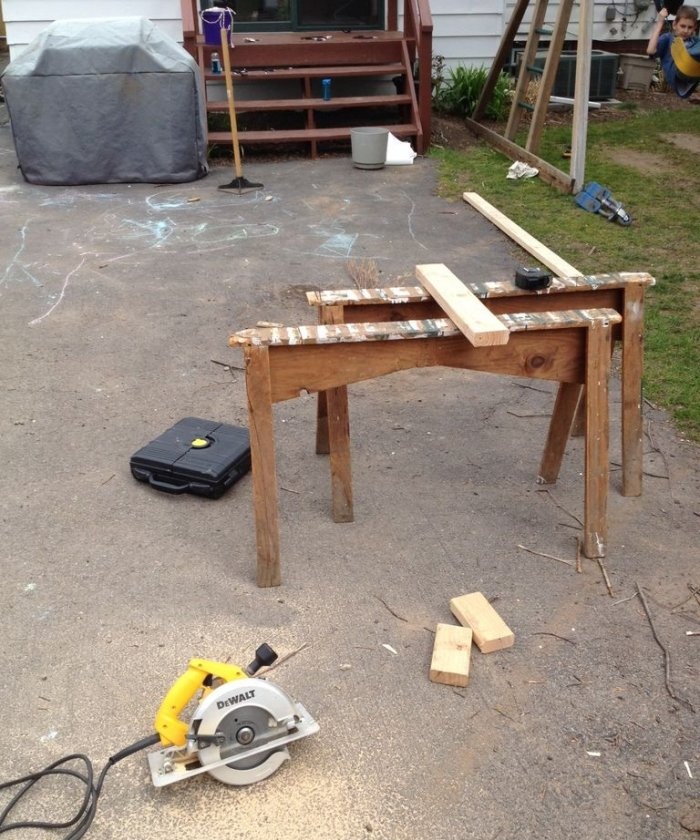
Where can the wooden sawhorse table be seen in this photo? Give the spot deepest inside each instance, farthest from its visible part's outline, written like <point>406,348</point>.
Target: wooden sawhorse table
<point>621,291</point>
<point>572,347</point>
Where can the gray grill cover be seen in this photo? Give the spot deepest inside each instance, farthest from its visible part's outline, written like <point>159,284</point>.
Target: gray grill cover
<point>114,100</point>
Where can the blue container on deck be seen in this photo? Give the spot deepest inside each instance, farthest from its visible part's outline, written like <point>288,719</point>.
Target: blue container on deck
<point>213,21</point>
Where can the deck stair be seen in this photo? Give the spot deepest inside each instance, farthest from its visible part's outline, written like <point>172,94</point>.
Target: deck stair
<point>278,91</point>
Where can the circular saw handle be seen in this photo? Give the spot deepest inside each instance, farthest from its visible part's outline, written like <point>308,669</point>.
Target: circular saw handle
<point>197,677</point>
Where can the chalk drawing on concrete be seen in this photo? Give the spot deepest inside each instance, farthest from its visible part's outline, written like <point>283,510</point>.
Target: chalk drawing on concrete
<point>159,232</point>
<point>16,271</point>
<point>336,243</point>
<point>61,295</point>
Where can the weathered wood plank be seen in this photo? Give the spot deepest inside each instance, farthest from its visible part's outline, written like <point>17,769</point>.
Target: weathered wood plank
<point>327,315</point>
<point>379,331</point>
<point>317,104</point>
<point>481,327</point>
<point>451,655</point>
<point>485,289</point>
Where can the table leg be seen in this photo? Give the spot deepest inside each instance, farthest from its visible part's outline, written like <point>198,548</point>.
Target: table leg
<point>322,445</point>
<point>338,424</point>
<point>596,469</point>
<point>632,364</point>
<point>264,473</point>
<point>578,427</point>
<point>327,315</point>
<point>562,417</point>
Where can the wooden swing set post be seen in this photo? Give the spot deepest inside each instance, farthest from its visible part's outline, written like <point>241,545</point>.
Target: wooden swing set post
<point>572,181</point>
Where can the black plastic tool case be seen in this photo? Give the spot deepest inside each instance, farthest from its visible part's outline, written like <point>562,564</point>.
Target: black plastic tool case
<point>194,456</point>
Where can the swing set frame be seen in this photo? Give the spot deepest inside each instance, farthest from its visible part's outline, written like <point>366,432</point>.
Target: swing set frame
<point>571,181</point>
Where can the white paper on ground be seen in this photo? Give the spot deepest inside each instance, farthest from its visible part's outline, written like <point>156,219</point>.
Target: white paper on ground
<point>398,152</point>
<point>521,170</point>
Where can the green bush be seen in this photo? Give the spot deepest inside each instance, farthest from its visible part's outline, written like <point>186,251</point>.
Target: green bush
<point>461,90</point>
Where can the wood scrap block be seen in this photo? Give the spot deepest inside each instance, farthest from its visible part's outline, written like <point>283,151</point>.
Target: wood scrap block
<point>451,655</point>
<point>470,316</point>
<point>489,629</point>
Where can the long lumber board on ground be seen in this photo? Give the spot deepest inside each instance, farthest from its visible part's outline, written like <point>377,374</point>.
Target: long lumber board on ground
<point>533,246</point>
<point>470,316</point>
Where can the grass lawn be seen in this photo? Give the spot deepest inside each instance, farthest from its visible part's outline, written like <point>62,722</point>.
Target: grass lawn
<point>650,161</point>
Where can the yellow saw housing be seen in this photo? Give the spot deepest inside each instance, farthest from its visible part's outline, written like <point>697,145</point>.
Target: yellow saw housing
<point>198,677</point>
<point>238,725</point>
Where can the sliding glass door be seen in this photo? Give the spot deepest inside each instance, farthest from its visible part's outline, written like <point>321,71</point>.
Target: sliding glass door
<point>290,15</point>
<point>339,14</point>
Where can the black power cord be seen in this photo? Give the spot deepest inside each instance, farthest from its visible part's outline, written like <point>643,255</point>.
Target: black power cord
<point>86,812</point>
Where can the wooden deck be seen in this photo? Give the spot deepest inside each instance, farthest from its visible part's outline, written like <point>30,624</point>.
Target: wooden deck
<point>278,93</point>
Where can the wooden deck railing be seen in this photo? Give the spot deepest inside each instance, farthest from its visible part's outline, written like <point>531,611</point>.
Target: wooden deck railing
<point>418,31</point>
<point>189,21</point>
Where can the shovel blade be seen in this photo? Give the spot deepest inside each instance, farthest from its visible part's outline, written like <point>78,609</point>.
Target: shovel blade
<point>240,184</point>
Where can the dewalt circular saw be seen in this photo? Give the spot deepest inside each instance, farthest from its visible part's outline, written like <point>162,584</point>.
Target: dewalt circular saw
<point>240,727</point>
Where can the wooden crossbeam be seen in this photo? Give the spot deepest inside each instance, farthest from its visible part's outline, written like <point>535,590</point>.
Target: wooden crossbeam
<point>471,317</point>
<point>384,331</point>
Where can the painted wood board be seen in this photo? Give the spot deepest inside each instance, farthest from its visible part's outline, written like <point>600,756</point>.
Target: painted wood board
<point>451,655</point>
<point>382,331</point>
<point>481,327</point>
<point>489,629</point>
<point>481,288</point>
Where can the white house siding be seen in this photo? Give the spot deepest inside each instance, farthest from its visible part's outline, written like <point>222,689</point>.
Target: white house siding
<point>25,19</point>
<point>630,23</point>
<point>469,31</point>
<point>465,31</point>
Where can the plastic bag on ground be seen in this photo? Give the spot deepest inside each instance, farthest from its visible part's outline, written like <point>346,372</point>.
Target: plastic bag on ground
<point>398,152</point>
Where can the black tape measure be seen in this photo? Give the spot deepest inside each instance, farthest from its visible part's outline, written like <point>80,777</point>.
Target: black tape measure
<point>532,279</point>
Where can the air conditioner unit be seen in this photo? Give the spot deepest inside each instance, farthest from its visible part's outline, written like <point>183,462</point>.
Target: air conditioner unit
<point>603,74</point>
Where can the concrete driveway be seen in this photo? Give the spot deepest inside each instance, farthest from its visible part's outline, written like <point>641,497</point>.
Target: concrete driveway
<point>116,302</point>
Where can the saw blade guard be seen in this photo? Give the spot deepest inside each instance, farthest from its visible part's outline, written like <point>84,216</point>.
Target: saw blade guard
<point>245,726</point>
